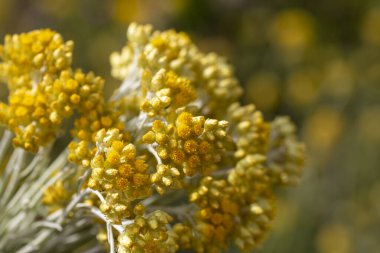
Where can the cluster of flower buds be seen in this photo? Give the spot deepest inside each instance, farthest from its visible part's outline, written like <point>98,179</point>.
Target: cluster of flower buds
<point>152,51</point>
<point>171,162</point>
<point>32,65</point>
<point>215,218</point>
<point>147,234</point>
<point>168,90</point>
<point>285,153</point>
<point>119,173</point>
<point>251,130</point>
<point>190,145</point>
<point>44,90</point>
<point>254,196</point>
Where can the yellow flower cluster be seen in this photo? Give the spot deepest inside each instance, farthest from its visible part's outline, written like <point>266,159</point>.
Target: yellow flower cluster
<point>216,215</point>
<point>254,196</point>
<point>86,126</point>
<point>183,236</point>
<point>152,51</point>
<point>170,91</point>
<point>173,159</point>
<point>44,90</point>
<point>285,153</point>
<point>32,64</point>
<point>147,234</point>
<point>251,129</point>
<point>191,145</point>
<point>56,196</point>
<point>117,171</point>
<point>276,140</point>
<point>238,208</point>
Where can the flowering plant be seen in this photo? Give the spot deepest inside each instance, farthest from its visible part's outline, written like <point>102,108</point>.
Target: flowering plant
<point>172,161</point>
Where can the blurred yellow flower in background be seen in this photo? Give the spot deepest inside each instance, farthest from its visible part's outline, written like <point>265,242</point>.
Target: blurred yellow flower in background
<point>334,238</point>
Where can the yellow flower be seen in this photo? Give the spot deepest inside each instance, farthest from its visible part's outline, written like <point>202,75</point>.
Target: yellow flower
<point>172,161</point>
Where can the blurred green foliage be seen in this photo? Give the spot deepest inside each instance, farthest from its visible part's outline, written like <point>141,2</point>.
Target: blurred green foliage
<point>318,61</point>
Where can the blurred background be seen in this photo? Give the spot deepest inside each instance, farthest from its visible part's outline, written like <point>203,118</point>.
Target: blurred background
<point>317,61</point>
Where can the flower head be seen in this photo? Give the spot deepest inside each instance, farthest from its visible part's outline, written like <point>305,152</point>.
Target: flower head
<point>172,161</point>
